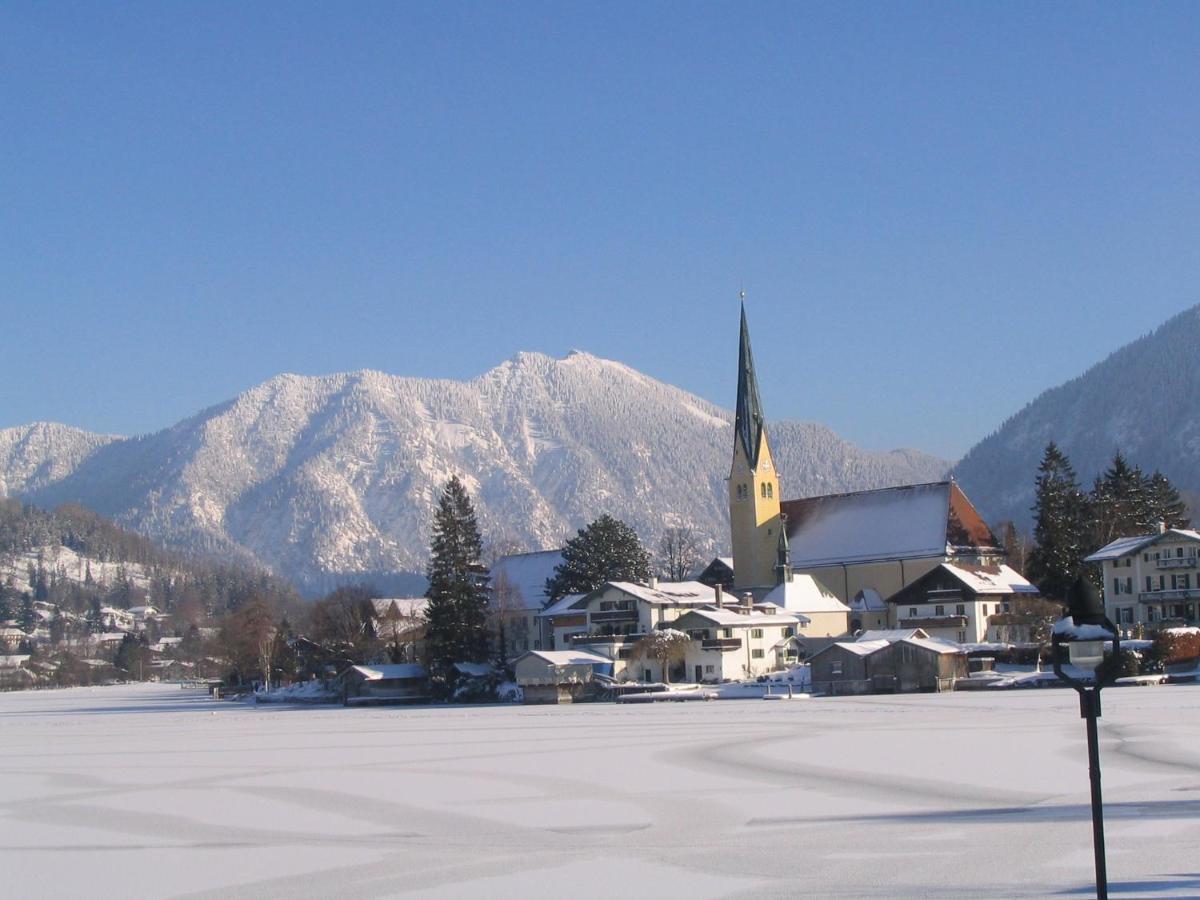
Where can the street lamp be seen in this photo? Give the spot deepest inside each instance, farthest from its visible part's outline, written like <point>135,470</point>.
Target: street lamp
<point>1084,632</point>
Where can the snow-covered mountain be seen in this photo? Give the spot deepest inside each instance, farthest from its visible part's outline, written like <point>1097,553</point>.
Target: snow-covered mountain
<point>33,456</point>
<point>1144,400</point>
<point>335,477</point>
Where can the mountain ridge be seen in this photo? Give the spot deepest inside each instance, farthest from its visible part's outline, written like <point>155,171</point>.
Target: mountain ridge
<point>335,477</point>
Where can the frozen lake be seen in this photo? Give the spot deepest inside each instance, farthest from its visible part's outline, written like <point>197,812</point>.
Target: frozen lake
<point>150,791</point>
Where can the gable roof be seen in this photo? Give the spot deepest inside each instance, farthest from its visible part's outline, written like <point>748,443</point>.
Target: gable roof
<point>566,657</point>
<point>729,619</point>
<point>867,600</point>
<point>1127,545</point>
<point>526,573</point>
<point>907,522</point>
<point>890,634</point>
<point>564,605</point>
<point>804,594</point>
<point>667,593</point>
<point>990,579</point>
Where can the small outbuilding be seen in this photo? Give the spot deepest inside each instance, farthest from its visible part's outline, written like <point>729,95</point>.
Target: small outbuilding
<point>897,666</point>
<point>559,676</point>
<point>399,683</point>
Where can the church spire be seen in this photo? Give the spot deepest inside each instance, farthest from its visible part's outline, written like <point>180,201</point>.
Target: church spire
<point>748,421</point>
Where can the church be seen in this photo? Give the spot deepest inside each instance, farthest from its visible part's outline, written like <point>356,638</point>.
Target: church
<point>860,547</point>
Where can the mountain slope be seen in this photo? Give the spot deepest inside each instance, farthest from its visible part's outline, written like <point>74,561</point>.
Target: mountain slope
<point>1144,399</point>
<point>324,478</point>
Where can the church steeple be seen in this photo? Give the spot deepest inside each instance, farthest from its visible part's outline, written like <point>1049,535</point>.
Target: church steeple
<point>748,416</point>
<point>753,484</point>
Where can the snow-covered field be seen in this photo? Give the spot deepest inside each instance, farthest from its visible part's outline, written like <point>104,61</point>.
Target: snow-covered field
<point>151,791</point>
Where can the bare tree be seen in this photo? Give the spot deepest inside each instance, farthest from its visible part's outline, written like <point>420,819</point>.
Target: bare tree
<point>666,647</point>
<point>678,553</point>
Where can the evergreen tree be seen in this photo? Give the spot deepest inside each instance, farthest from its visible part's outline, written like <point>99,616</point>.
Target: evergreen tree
<point>1119,503</point>
<point>1061,526</point>
<point>6,602</point>
<point>458,591</point>
<point>1164,504</point>
<point>606,550</point>
<point>28,618</point>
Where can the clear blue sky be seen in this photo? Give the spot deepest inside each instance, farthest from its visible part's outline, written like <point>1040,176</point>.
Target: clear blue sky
<point>936,211</point>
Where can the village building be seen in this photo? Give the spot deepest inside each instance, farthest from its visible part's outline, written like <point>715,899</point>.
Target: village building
<point>1152,580</point>
<point>559,676</point>
<point>869,543</point>
<point>888,664</point>
<point>518,596</point>
<point>868,610</point>
<point>956,601</point>
<point>397,683</point>
<point>400,624</point>
<point>732,644</point>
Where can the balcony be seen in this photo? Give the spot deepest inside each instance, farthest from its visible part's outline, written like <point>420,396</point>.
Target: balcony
<point>721,644</point>
<point>605,638</point>
<point>1176,562</point>
<point>933,622</point>
<point>1168,596</point>
<point>615,615</point>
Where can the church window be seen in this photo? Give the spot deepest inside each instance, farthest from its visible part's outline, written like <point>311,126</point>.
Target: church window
<point>770,491</point>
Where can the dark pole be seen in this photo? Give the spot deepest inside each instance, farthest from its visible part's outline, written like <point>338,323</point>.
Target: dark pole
<point>1089,702</point>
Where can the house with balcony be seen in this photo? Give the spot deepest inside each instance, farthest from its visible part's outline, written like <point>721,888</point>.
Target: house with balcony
<point>732,638</point>
<point>956,600</point>
<point>1152,580</point>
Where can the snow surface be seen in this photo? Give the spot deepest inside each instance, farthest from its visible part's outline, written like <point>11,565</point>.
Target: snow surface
<point>150,790</point>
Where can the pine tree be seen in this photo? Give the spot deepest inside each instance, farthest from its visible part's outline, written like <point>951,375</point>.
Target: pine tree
<point>606,550</point>
<point>458,592</point>
<point>28,618</point>
<point>1061,526</point>
<point>1164,504</point>
<point>1119,503</point>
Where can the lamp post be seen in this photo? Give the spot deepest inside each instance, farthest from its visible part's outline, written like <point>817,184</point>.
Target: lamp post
<point>1084,632</point>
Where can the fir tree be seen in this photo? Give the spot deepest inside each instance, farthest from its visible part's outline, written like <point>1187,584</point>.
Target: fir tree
<point>457,613</point>
<point>1119,503</point>
<point>1164,504</point>
<point>28,618</point>
<point>607,550</point>
<point>1061,526</point>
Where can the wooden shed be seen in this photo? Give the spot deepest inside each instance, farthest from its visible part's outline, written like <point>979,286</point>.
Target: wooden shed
<point>401,683</point>
<point>559,676</point>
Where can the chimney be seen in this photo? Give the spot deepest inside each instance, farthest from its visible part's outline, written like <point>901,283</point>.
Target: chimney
<point>719,595</point>
<point>653,583</point>
<point>747,603</point>
<point>1162,526</point>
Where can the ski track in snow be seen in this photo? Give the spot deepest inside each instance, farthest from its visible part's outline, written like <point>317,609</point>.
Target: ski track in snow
<point>151,790</point>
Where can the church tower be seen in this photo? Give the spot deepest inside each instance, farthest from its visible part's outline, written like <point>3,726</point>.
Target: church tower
<point>753,485</point>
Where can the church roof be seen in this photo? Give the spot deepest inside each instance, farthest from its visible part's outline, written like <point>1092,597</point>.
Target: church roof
<point>748,414</point>
<point>804,594</point>
<point>907,522</point>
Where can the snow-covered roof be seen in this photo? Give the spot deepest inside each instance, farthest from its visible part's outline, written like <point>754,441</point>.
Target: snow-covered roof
<point>474,670</point>
<point>406,607</point>
<point>1127,545</point>
<point>990,579</point>
<point>668,593</point>
<point>907,522</point>
<point>937,645</point>
<point>563,605</point>
<point>569,657</point>
<point>890,634</point>
<point>398,670</point>
<point>526,573</point>
<point>804,594</point>
<point>12,660</point>
<point>867,600</point>
<point>729,619</point>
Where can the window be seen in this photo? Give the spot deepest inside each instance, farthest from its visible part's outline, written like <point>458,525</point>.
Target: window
<point>1185,581</point>
<point>786,631</point>
<point>912,612</point>
<point>1148,587</point>
<point>1179,553</point>
<point>962,637</point>
<point>762,490</point>
<point>755,632</point>
<point>1129,584</point>
<point>726,632</point>
<point>1145,557</point>
<point>835,667</point>
<point>756,654</point>
<point>708,670</point>
<point>1116,585</point>
<point>939,610</point>
<point>770,491</point>
<point>985,609</point>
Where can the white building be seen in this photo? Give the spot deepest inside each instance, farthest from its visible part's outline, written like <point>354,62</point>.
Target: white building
<point>1151,579</point>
